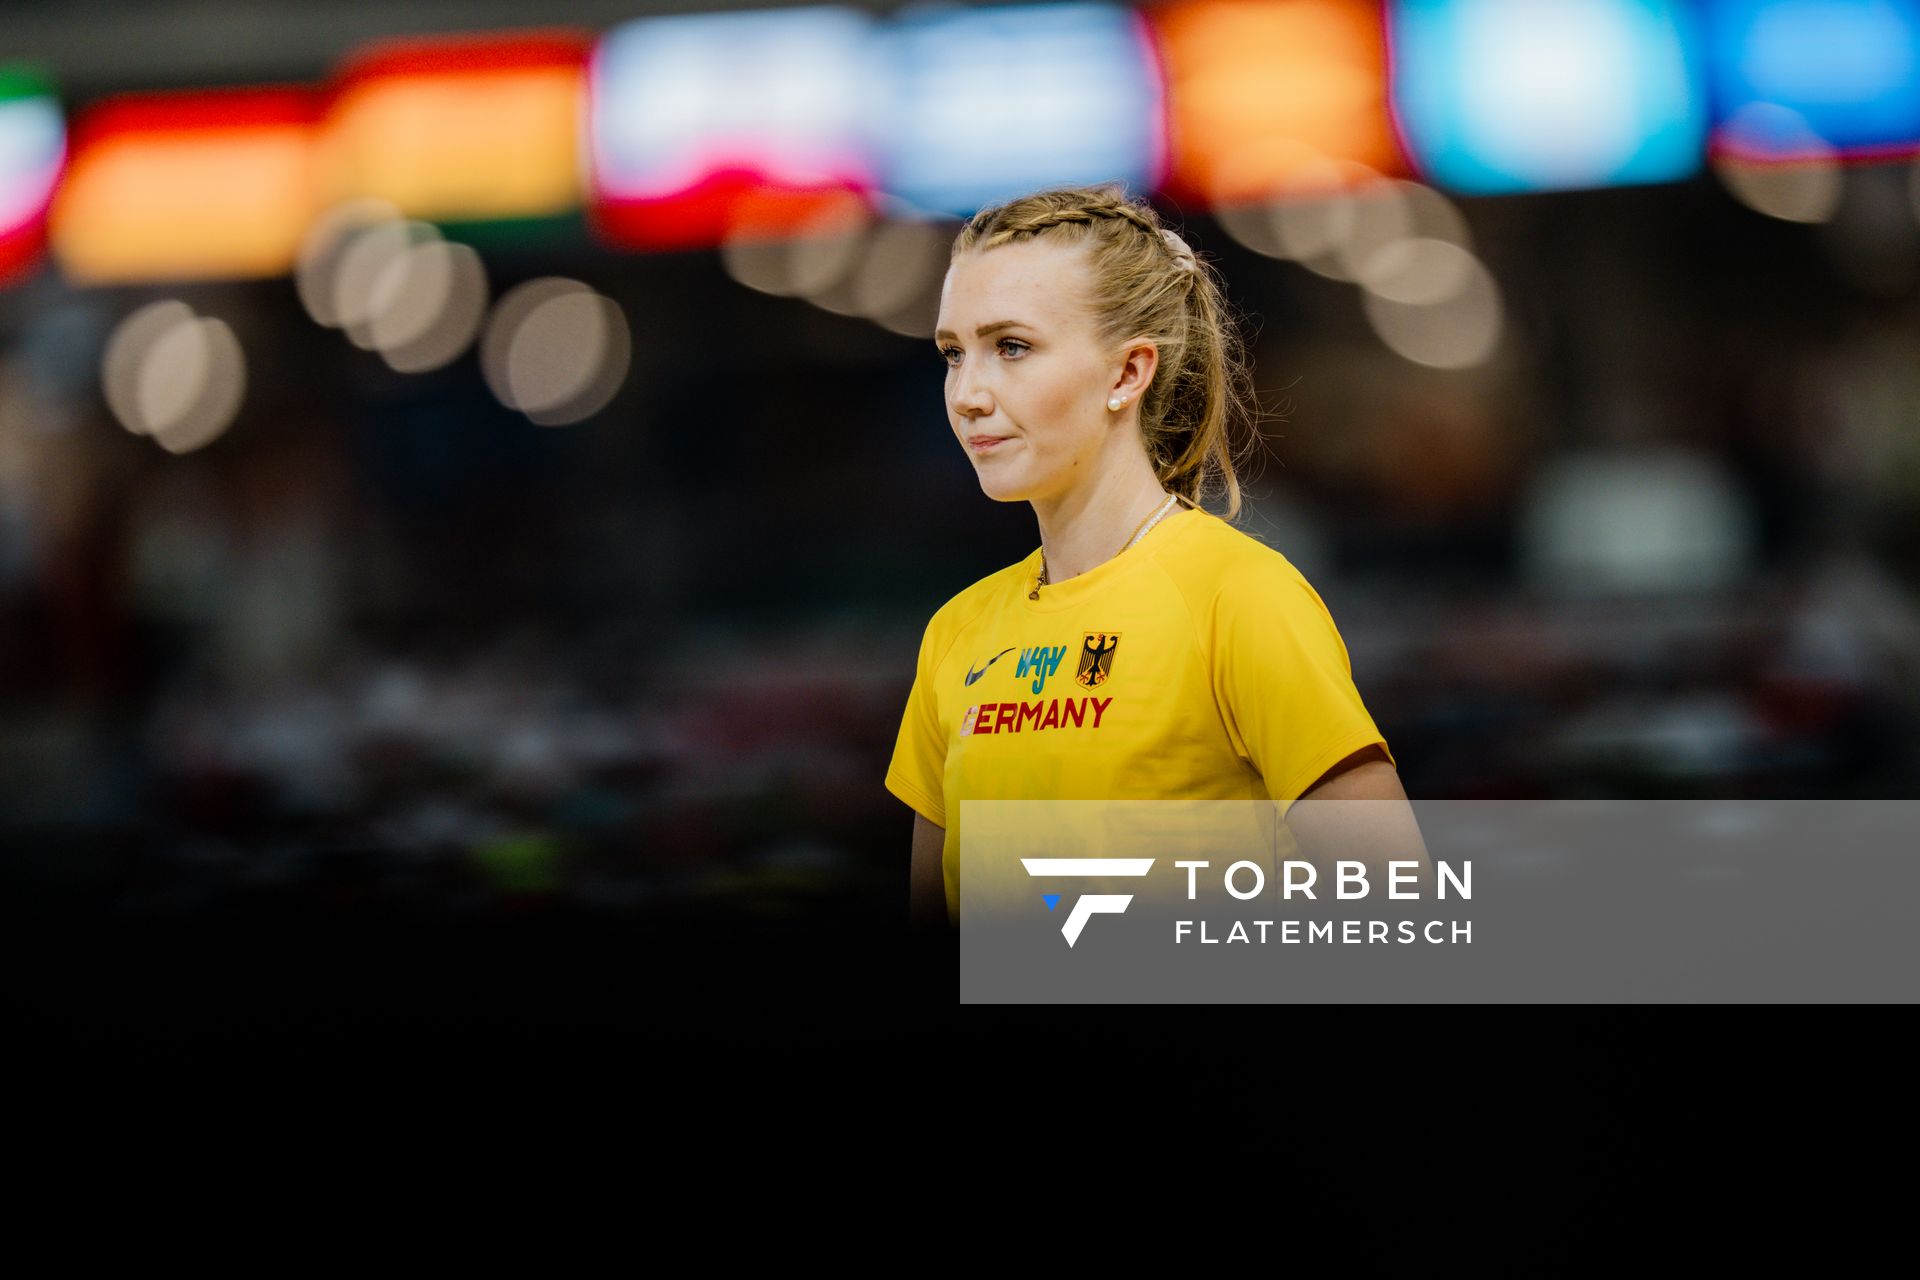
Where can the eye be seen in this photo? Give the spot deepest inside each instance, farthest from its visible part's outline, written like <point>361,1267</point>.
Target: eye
<point>947,354</point>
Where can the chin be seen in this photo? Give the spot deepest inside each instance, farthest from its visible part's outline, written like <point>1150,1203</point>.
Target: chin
<point>1004,488</point>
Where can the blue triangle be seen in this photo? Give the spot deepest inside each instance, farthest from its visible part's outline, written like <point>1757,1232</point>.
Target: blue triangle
<point>1051,899</point>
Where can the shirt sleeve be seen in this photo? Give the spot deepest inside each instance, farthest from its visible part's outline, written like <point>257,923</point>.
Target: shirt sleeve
<point>917,772</point>
<point>1284,681</point>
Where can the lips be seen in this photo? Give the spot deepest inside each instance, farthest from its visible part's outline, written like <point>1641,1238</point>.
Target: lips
<point>981,444</point>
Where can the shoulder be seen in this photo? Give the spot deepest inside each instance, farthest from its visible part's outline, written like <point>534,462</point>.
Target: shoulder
<point>1253,611</point>
<point>1221,567</point>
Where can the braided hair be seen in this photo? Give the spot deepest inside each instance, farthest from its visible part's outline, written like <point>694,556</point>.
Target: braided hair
<point>1146,282</point>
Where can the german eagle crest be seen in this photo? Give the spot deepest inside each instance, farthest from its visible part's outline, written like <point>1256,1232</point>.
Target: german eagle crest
<point>1096,658</point>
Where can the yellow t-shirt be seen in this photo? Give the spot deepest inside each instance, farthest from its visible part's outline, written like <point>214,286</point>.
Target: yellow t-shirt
<point>1197,664</point>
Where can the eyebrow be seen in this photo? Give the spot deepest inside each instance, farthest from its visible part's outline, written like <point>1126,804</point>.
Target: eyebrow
<point>985,329</point>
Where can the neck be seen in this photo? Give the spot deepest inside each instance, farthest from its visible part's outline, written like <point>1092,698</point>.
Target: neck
<point>1090,524</point>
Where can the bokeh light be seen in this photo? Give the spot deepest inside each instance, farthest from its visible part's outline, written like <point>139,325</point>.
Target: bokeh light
<point>126,354</point>
<point>806,260</point>
<point>174,375</point>
<point>901,267</point>
<point>1418,272</point>
<point>427,305</point>
<point>1804,188</point>
<point>358,299</point>
<point>1335,225</point>
<point>317,268</point>
<point>1433,303</point>
<point>555,350</point>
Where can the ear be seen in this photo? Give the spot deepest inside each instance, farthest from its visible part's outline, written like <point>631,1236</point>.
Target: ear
<point>1135,372</point>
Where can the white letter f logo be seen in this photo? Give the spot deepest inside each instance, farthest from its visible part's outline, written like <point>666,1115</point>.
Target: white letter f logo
<point>1089,904</point>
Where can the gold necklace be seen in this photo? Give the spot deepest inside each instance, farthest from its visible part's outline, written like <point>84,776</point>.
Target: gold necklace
<point>1140,531</point>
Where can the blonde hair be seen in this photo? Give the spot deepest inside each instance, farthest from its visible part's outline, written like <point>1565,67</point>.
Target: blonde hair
<point>1147,283</point>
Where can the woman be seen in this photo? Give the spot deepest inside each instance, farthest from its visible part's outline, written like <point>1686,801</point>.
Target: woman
<point>1147,649</point>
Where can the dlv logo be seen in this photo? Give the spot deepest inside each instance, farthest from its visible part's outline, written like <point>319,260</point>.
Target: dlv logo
<point>1040,663</point>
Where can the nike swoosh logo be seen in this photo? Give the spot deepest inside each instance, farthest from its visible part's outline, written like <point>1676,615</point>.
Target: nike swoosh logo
<point>975,675</point>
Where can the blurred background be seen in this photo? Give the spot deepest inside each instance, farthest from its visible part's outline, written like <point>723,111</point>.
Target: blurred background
<point>473,474</point>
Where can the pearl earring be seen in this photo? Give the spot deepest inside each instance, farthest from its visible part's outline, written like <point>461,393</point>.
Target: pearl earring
<point>1116,402</point>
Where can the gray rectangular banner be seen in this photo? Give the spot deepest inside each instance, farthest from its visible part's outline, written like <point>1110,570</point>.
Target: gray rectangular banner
<point>1445,901</point>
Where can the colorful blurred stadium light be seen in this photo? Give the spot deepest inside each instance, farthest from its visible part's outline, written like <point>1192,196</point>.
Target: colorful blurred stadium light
<point>992,103</point>
<point>704,130</point>
<point>705,126</point>
<point>33,146</point>
<point>1262,93</point>
<point>1803,79</point>
<point>1499,97</point>
<point>462,129</point>
<point>217,184</point>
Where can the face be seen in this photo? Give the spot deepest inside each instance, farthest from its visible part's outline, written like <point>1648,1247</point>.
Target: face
<point>1027,379</point>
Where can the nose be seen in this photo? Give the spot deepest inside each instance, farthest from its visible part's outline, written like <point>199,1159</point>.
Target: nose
<point>970,398</point>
